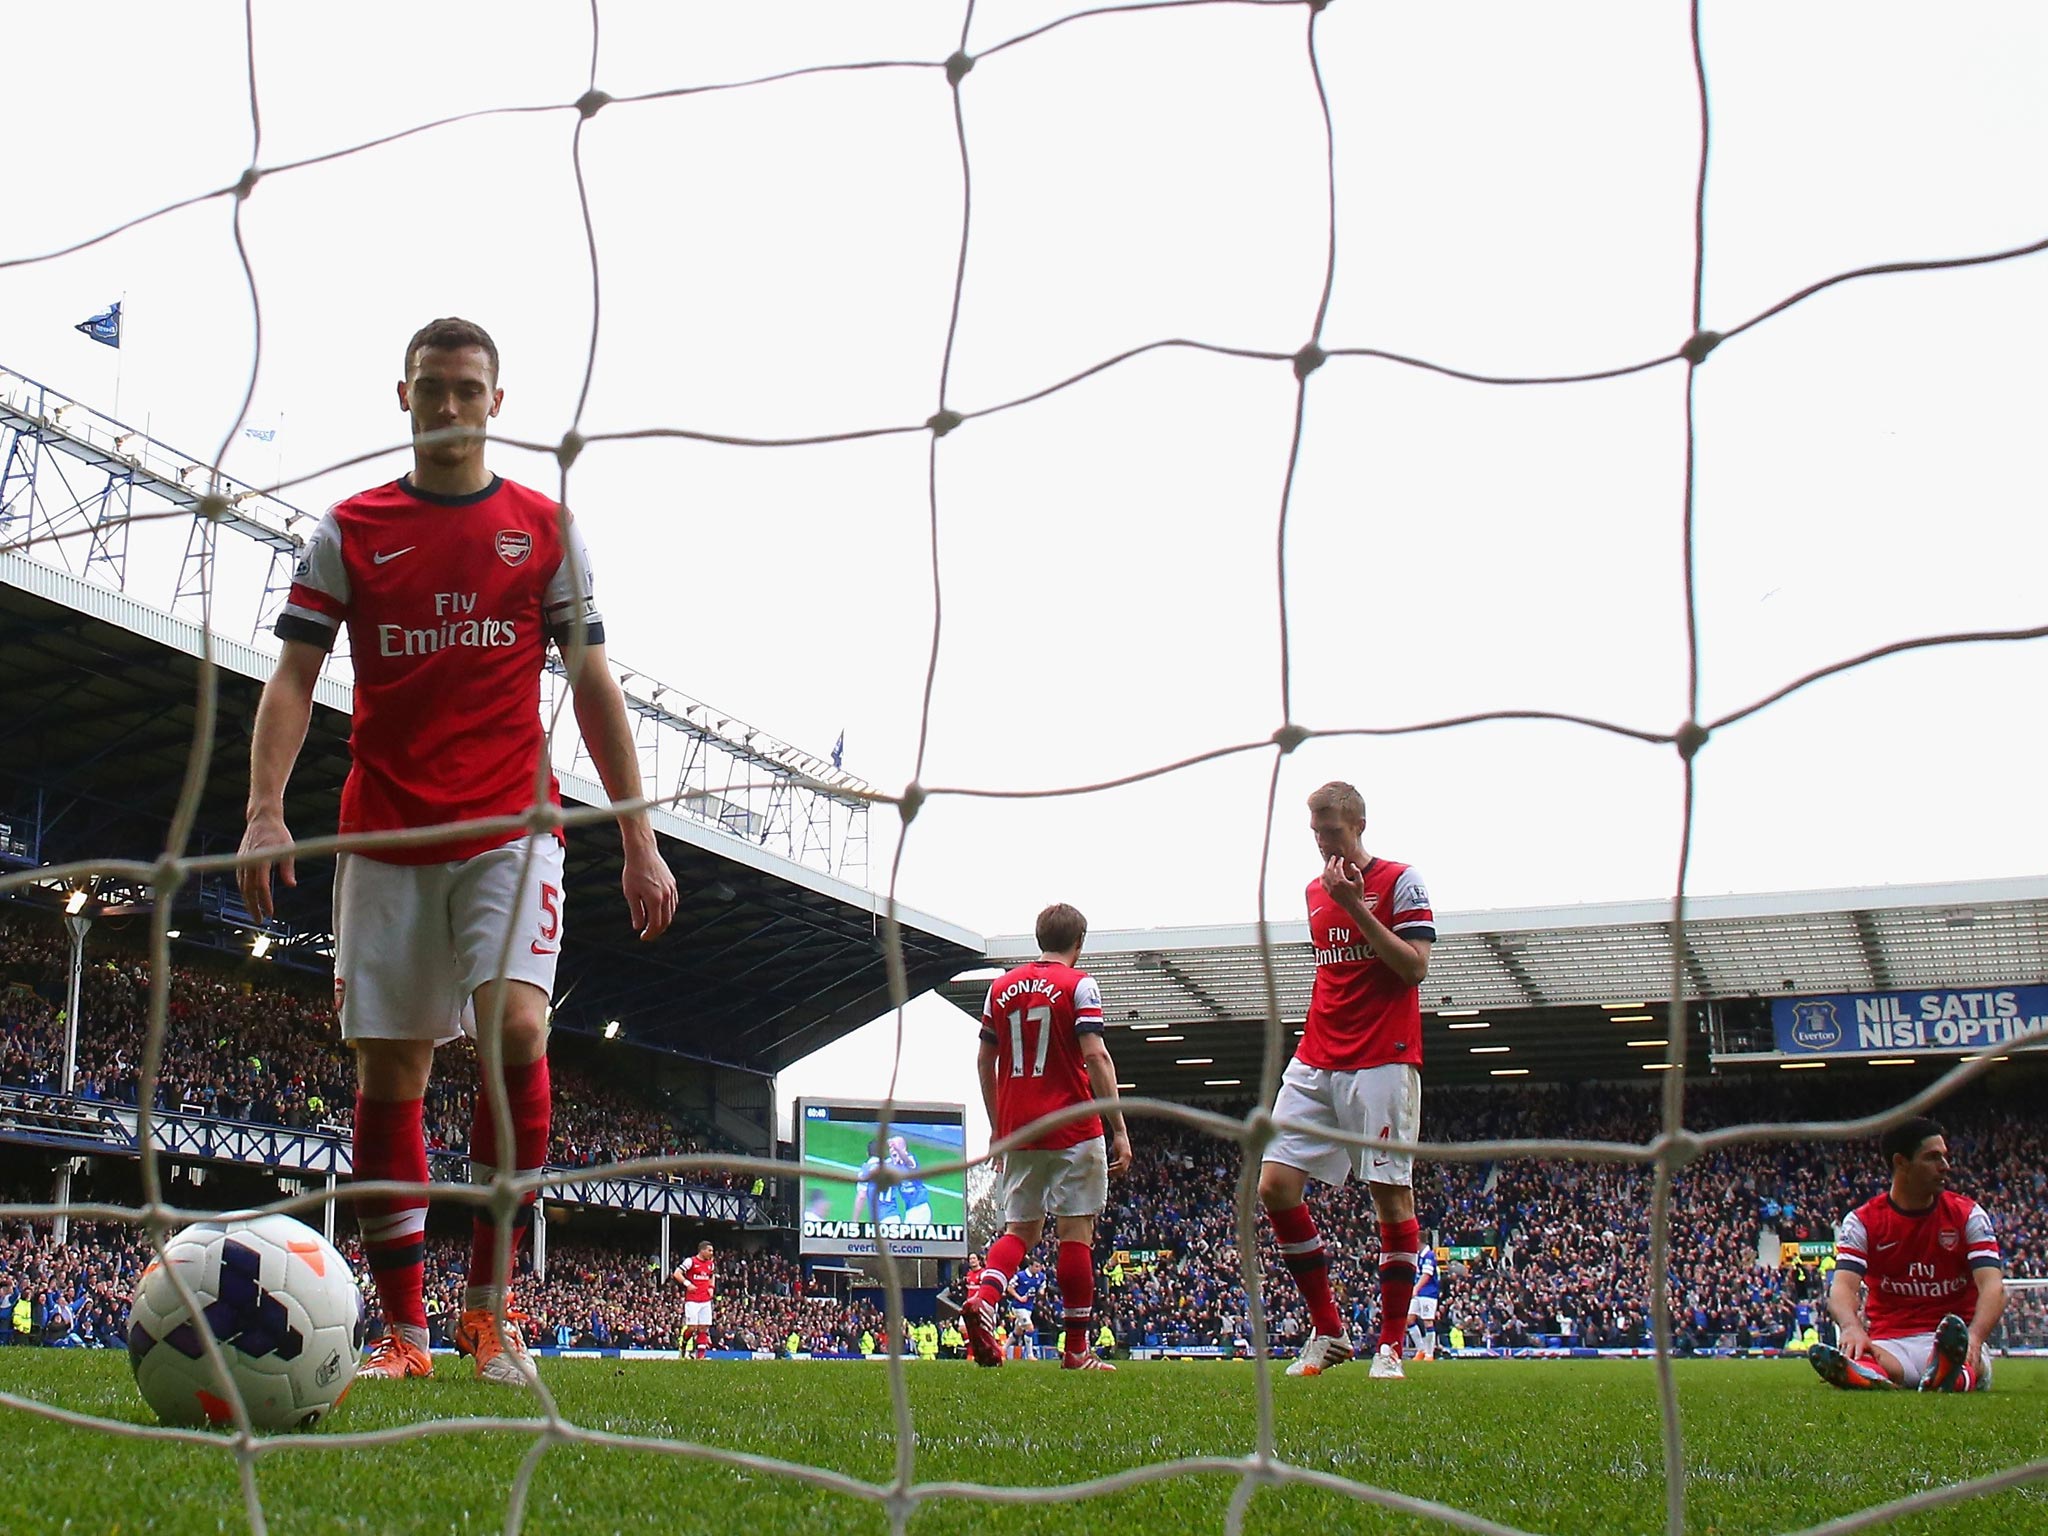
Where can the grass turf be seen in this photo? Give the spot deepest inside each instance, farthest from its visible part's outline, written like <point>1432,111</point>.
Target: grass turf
<point>1552,1446</point>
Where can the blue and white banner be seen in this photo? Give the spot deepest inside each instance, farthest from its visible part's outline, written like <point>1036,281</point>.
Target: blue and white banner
<point>104,327</point>
<point>1885,1023</point>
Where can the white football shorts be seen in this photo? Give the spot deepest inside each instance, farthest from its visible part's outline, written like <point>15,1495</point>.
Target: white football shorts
<point>1423,1309</point>
<point>1915,1352</point>
<point>413,942</point>
<point>696,1314</point>
<point>1071,1181</point>
<point>1383,1102</point>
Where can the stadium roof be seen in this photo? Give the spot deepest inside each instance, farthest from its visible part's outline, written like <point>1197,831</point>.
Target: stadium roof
<point>766,961</point>
<point>1540,992</point>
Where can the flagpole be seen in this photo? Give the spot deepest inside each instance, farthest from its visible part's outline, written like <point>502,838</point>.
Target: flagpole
<point>120,328</point>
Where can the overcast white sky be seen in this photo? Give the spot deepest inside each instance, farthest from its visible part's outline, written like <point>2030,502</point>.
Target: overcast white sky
<point>1514,190</point>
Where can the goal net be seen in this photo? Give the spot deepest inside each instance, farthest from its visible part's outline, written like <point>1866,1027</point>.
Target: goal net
<point>2023,1328</point>
<point>1331,356</point>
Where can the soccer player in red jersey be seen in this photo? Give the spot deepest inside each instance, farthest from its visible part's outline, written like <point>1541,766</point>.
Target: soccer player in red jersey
<point>698,1276</point>
<point>1358,1069</point>
<point>451,582</point>
<point>1918,1252</point>
<point>1041,1051</point>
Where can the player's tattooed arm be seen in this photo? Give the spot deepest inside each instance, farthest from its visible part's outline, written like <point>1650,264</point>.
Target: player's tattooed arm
<point>282,715</point>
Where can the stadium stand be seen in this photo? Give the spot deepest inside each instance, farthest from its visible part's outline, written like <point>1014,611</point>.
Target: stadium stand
<point>1558,1252</point>
<point>1554,1253</point>
<point>1537,1254</point>
<point>265,1051</point>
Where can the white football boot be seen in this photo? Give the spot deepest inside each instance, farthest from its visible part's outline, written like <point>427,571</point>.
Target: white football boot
<point>1386,1364</point>
<point>1323,1352</point>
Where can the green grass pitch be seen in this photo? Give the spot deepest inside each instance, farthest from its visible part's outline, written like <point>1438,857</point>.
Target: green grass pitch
<point>845,1147</point>
<point>1551,1446</point>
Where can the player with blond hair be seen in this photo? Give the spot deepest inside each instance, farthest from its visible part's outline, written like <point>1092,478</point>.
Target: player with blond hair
<point>1357,1071</point>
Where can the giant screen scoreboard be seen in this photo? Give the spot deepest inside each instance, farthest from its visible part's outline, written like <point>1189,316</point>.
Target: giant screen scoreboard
<point>924,1215</point>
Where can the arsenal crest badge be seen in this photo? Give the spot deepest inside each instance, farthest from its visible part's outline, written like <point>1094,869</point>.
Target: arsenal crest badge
<point>1949,1238</point>
<point>514,546</point>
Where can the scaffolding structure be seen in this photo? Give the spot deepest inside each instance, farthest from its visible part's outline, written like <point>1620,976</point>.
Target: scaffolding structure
<point>73,481</point>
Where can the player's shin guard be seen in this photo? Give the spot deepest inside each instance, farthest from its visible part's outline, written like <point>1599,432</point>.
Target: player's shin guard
<point>1301,1250</point>
<point>529,1093</point>
<point>1077,1294</point>
<point>390,1143</point>
<point>1005,1254</point>
<point>1399,1241</point>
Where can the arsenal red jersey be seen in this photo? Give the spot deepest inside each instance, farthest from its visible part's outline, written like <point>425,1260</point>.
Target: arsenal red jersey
<point>700,1277</point>
<point>1036,1015</point>
<point>1360,1014</point>
<point>450,602</point>
<point>1918,1265</point>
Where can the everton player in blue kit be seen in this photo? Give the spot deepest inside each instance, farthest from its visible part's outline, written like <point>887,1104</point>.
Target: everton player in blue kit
<point>1024,1292</point>
<point>905,1203</point>
<point>1422,1308</point>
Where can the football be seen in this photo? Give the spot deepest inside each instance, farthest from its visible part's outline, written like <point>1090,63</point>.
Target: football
<point>283,1305</point>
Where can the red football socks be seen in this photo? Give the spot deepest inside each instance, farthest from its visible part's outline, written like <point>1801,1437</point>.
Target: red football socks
<point>1077,1294</point>
<point>1004,1255</point>
<point>391,1144</point>
<point>529,1092</point>
<point>1399,1244</point>
<point>1301,1250</point>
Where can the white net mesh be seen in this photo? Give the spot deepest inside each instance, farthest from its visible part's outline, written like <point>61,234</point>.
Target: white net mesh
<point>1260,1464</point>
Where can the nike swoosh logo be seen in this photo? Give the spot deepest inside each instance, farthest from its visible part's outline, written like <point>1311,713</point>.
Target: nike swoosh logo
<point>543,949</point>
<point>380,559</point>
<point>1881,1247</point>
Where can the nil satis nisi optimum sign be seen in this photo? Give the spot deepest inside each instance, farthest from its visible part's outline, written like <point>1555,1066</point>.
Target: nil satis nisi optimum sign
<point>1964,1019</point>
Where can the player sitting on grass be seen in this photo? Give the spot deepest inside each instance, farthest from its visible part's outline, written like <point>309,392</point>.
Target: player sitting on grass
<point>1042,1051</point>
<point>1916,1251</point>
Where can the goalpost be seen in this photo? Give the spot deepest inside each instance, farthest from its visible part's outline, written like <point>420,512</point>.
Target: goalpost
<point>2023,1330</point>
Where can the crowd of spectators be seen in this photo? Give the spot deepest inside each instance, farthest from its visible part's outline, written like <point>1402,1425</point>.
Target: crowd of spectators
<point>1540,1248</point>
<point>1554,1248</point>
<point>601,1295</point>
<point>267,1052</point>
<point>68,1295</point>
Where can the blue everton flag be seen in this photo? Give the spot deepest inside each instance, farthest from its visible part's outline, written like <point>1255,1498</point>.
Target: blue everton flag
<point>839,749</point>
<point>261,434</point>
<point>103,328</point>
